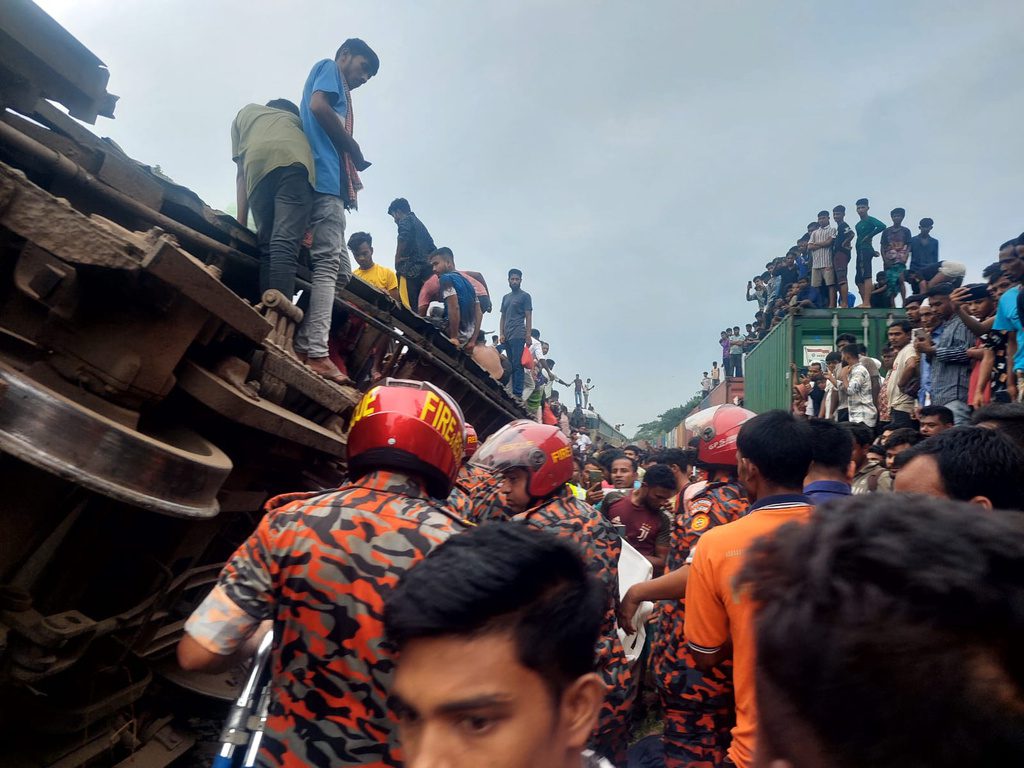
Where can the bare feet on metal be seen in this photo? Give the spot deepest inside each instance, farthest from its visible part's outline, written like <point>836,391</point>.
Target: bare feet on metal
<point>327,369</point>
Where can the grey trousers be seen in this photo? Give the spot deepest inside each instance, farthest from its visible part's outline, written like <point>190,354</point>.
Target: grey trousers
<point>331,271</point>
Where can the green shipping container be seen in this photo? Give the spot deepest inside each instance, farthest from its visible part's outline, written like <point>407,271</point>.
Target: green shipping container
<point>803,339</point>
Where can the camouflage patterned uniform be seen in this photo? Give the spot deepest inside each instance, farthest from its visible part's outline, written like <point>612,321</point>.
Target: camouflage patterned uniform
<point>321,567</point>
<point>699,706</point>
<point>600,545</point>
<point>484,490</point>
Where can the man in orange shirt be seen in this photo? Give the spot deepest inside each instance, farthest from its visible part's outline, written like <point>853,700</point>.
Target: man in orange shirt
<point>773,452</point>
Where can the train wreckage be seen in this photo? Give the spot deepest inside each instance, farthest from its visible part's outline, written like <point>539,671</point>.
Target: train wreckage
<point>150,402</point>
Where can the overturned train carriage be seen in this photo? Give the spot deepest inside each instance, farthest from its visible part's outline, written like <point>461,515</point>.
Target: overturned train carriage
<point>150,402</point>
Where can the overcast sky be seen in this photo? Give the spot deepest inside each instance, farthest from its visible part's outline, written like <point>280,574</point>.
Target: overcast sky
<point>638,161</point>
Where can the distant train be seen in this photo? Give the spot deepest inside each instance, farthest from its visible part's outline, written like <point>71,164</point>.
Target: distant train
<point>598,427</point>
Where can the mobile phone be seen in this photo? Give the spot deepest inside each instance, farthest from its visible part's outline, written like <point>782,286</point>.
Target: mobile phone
<point>594,476</point>
<point>919,333</point>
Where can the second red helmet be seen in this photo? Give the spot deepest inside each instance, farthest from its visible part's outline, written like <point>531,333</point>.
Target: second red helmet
<point>542,450</point>
<point>472,441</point>
<point>717,429</point>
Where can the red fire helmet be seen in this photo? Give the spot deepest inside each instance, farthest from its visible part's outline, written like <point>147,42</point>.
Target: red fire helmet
<point>542,450</point>
<point>717,429</point>
<point>409,426</point>
<point>472,441</point>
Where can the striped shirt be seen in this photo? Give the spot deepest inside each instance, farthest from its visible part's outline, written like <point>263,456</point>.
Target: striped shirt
<point>951,367</point>
<point>821,257</point>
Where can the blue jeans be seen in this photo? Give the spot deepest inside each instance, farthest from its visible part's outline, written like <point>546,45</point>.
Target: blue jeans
<point>514,349</point>
<point>331,271</point>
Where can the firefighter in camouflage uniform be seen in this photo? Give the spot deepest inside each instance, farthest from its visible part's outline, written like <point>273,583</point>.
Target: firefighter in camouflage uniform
<point>699,709</point>
<point>536,462</point>
<point>320,565</point>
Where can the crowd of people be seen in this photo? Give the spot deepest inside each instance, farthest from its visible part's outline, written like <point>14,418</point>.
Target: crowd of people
<point>837,585</point>
<point>815,274</point>
<point>957,350</point>
<point>298,173</point>
<point>465,604</point>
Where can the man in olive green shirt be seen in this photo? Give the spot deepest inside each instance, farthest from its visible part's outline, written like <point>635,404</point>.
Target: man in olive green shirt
<point>867,228</point>
<point>275,174</point>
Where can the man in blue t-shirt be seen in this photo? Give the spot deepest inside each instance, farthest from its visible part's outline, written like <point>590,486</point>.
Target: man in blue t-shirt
<point>461,306</point>
<point>327,120</point>
<point>1008,315</point>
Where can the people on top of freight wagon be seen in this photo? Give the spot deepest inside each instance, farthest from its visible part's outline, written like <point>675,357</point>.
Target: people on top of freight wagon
<point>319,566</point>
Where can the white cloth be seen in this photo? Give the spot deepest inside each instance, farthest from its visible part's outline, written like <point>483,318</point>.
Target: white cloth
<point>633,569</point>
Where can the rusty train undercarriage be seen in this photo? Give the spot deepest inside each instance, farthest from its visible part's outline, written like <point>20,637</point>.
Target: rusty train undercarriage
<point>150,402</point>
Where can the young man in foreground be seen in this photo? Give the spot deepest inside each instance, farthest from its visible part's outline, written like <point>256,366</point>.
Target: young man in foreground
<point>886,632</point>
<point>496,635</point>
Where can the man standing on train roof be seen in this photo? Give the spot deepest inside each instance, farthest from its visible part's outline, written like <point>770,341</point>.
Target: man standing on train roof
<point>327,119</point>
<point>320,565</point>
<point>515,327</point>
<point>412,251</point>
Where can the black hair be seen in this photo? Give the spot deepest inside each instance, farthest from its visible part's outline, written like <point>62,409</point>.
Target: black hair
<point>632,447</point>
<point>444,252</point>
<point>848,337</point>
<point>822,213</point>
<point>1008,418</point>
<point>1008,244</point>
<point>907,611</point>
<point>285,105</point>
<point>357,47</point>
<point>945,415</point>
<point>399,205</point>
<point>358,238</point>
<point>779,445</point>
<point>992,272</point>
<point>839,209</point>
<point>914,298</point>
<point>862,201</point>
<point>900,211</point>
<point>535,333</point>
<point>831,445</point>
<point>927,222</point>
<point>660,476</point>
<point>679,457</point>
<point>505,578</point>
<point>861,433</point>
<point>833,357</point>
<point>903,436</point>
<point>942,289</point>
<point>977,462</point>
<point>904,325</point>
<point>516,272</point>
<point>899,461</point>
<point>618,455</point>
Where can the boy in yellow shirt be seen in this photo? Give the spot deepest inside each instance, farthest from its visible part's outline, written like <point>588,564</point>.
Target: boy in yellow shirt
<point>380,277</point>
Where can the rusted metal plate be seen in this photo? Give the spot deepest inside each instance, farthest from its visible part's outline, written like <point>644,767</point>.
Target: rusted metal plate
<point>260,414</point>
<point>36,215</point>
<point>42,59</point>
<point>190,276</point>
<point>334,397</point>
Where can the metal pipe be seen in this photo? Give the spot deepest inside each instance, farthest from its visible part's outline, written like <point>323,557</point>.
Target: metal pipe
<point>69,170</point>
